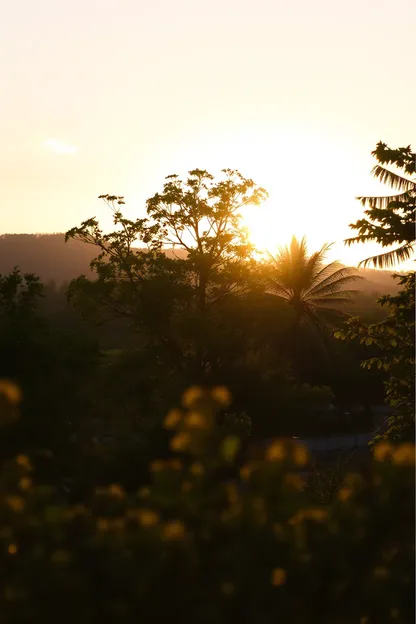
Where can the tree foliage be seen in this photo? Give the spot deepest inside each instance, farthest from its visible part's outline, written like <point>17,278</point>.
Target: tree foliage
<point>395,338</point>
<point>313,289</point>
<point>390,220</point>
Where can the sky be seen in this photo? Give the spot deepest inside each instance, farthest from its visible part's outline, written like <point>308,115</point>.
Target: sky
<point>111,96</point>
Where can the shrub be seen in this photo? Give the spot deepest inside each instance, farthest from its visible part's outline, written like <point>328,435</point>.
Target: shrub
<point>210,541</point>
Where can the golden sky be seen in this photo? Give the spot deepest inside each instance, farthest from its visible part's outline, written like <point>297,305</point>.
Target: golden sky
<point>111,96</point>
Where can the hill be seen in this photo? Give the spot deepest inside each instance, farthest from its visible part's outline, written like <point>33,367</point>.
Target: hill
<point>48,256</point>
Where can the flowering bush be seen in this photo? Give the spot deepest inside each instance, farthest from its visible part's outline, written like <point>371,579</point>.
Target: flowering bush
<point>210,541</point>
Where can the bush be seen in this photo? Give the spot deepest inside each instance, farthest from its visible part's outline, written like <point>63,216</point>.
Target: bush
<point>210,540</point>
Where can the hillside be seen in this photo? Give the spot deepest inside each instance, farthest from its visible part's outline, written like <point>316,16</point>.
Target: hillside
<point>48,256</point>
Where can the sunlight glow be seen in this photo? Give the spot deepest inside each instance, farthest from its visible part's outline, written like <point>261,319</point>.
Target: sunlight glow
<point>58,147</point>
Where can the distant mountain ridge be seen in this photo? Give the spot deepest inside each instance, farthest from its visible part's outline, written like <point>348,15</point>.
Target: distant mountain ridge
<point>48,256</point>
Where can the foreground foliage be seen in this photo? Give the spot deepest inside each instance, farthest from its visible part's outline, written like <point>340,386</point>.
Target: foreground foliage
<point>210,540</point>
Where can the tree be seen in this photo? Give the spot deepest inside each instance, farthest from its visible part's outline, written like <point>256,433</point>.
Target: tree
<point>390,220</point>
<point>203,218</point>
<point>313,289</point>
<point>395,337</point>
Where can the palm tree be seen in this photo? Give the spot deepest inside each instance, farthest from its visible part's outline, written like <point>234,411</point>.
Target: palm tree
<point>390,220</point>
<point>313,289</point>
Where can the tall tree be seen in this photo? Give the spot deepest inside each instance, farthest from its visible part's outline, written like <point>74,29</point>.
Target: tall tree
<point>202,217</point>
<point>313,289</point>
<point>390,220</point>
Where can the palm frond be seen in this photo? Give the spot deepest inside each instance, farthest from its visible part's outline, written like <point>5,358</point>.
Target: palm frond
<point>382,202</point>
<point>389,258</point>
<point>334,282</point>
<point>278,289</point>
<point>393,179</point>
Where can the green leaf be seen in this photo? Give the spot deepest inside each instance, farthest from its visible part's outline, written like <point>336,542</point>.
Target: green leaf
<point>229,448</point>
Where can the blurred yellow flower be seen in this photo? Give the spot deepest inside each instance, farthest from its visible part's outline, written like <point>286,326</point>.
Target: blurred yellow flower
<point>12,549</point>
<point>102,524</point>
<point>180,442</point>
<point>24,462</point>
<point>147,517</point>
<point>173,419</point>
<point>381,572</point>
<point>245,472</point>
<point>197,469</point>
<point>222,395</point>
<point>344,494</point>
<point>382,451</point>
<point>174,530</point>
<point>404,454</point>
<point>157,466</point>
<point>227,589</point>
<point>116,490</point>
<point>294,481</point>
<point>15,502</point>
<point>11,391</point>
<point>194,420</point>
<point>316,513</point>
<point>25,483</point>
<point>276,452</point>
<point>300,455</point>
<point>278,577</point>
<point>192,395</point>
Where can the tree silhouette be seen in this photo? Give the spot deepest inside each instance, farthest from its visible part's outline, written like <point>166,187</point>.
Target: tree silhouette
<point>390,220</point>
<point>313,289</point>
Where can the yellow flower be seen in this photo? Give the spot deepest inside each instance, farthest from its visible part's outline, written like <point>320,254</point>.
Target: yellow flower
<point>194,420</point>
<point>222,395</point>
<point>227,589</point>
<point>197,469</point>
<point>11,391</point>
<point>317,514</point>
<point>79,510</point>
<point>344,494</point>
<point>278,530</point>
<point>157,466</point>
<point>24,462</point>
<point>404,454</point>
<point>276,452</point>
<point>300,455</point>
<point>175,464</point>
<point>245,472</point>
<point>381,572</point>
<point>25,483</point>
<point>12,549</point>
<point>15,502</point>
<point>174,530</point>
<point>180,442</point>
<point>116,490</point>
<point>143,492</point>
<point>192,395</point>
<point>147,517</point>
<point>294,481</point>
<point>278,577</point>
<point>232,494</point>
<point>173,419</point>
<point>102,524</point>
<point>382,451</point>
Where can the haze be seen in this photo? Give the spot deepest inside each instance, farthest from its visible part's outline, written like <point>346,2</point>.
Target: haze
<point>110,97</point>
